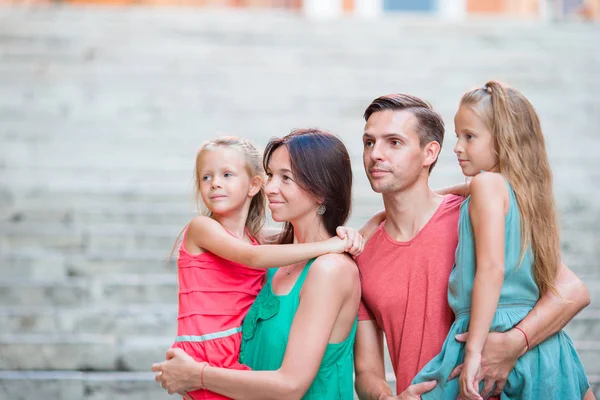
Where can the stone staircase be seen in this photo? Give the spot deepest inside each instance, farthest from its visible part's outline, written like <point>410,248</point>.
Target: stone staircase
<point>102,110</point>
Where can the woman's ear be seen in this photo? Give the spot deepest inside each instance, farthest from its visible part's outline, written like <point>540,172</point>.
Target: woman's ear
<point>320,200</point>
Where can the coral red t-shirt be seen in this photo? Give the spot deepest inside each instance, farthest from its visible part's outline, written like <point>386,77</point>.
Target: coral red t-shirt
<point>405,289</point>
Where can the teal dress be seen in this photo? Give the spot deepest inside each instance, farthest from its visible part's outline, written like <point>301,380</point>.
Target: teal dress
<point>265,334</point>
<point>551,370</point>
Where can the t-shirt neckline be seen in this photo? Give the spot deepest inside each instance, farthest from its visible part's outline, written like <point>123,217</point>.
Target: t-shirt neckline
<point>414,238</point>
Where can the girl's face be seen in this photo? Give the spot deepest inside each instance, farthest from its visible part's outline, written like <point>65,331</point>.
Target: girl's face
<point>475,146</point>
<point>287,200</point>
<point>225,185</point>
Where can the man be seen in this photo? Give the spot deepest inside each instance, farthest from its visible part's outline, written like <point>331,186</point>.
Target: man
<point>407,262</point>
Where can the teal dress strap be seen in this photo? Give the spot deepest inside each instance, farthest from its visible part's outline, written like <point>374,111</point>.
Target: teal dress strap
<point>302,277</point>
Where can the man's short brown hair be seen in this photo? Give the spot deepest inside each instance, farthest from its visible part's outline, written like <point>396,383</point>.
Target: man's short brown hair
<point>430,124</point>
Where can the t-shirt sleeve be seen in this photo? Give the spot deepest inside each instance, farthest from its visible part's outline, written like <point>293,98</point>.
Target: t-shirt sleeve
<point>364,314</point>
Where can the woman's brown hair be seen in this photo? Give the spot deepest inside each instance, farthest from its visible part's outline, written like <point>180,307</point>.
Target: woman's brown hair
<point>321,166</point>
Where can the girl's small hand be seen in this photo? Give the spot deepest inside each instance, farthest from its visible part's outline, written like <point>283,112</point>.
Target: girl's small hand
<point>354,240</point>
<point>336,245</point>
<point>469,377</point>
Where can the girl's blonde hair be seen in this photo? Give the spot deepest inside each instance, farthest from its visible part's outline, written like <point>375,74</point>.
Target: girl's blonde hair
<point>256,213</point>
<point>522,159</point>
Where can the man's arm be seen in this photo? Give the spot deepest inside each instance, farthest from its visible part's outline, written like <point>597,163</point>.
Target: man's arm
<point>461,189</point>
<point>369,228</point>
<point>549,316</point>
<point>551,313</point>
<point>370,382</point>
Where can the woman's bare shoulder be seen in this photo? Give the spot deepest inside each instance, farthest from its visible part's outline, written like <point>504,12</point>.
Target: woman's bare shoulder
<point>338,268</point>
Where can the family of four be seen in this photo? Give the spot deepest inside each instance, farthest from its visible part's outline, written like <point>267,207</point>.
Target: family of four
<point>470,293</point>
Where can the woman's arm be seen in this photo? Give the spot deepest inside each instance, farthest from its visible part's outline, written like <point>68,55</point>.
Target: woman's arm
<point>209,235</point>
<point>331,282</point>
<point>487,210</point>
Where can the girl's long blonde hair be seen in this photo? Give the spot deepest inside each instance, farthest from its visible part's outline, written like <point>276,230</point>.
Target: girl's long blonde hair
<point>523,160</point>
<point>256,213</point>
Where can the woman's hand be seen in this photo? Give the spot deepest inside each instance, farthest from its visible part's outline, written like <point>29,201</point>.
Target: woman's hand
<point>354,241</point>
<point>469,377</point>
<point>178,373</point>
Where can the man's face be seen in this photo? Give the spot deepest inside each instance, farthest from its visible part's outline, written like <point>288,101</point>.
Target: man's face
<point>392,155</point>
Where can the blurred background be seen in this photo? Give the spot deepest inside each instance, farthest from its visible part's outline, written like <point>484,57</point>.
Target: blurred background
<point>103,104</point>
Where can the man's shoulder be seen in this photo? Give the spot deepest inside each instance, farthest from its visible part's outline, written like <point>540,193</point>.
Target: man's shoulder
<point>449,210</point>
<point>374,243</point>
<point>452,202</point>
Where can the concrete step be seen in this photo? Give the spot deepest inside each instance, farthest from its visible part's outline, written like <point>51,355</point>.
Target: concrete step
<point>33,176</point>
<point>593,287</point>
<point>81,352</point>
<point>579,247</point>
<point>586,325</point>
<point>120,289</point>
<point>160,320</point>
<point>75,385</point>
<point>175,213</point>
<point>70,385</point>
<point>240,38</point>
<point>575,215</point>
<point>105,352</point>
<point>77,292</point>
<point>589,353</point>
<point>109,238</point>
<point>64,209</point>
<point>33,265</point>
<point>77,352</point>
<point>46,265</point>
<point>117,320</point>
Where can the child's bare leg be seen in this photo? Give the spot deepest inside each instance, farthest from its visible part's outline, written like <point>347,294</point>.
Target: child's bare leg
<point>589,395</point>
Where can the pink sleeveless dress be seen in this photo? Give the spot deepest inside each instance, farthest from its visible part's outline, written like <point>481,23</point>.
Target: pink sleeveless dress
<point>214,296</point>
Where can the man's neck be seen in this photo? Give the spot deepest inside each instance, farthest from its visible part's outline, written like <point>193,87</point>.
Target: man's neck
<point>408,211</point>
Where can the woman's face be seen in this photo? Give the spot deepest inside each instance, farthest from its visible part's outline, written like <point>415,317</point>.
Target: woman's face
<point>287,200</point>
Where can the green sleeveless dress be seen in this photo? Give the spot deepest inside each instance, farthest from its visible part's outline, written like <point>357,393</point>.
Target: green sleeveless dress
<point>265,334</point>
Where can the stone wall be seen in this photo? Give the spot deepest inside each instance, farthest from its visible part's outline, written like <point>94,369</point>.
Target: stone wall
<point>102,110</point>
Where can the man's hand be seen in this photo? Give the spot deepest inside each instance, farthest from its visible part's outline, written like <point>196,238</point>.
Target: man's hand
<point>499,356</point>
<point>177,372</point>
<point>413,392</point>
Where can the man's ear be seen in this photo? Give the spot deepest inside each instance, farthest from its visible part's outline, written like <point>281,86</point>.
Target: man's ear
<point>431,152</point>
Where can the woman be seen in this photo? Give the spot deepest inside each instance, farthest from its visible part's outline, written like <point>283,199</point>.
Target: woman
<point>298,336</point>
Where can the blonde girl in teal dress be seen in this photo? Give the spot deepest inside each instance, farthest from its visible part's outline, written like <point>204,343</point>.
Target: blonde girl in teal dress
<point>508,253</point>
